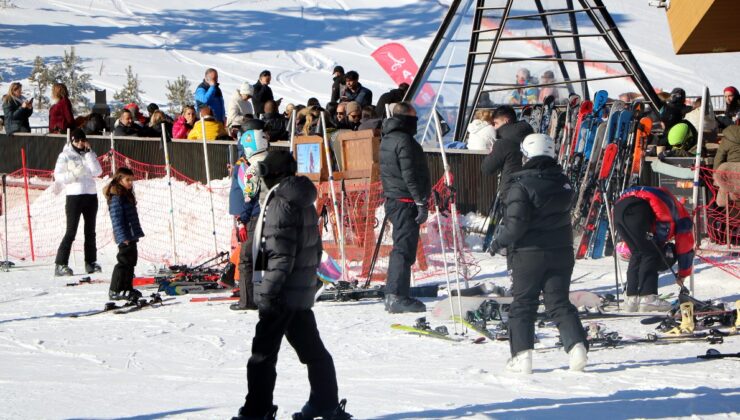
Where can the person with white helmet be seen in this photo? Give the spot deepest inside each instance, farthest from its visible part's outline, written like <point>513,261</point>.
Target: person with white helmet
<point>536,230</point>
<point>239,104</point>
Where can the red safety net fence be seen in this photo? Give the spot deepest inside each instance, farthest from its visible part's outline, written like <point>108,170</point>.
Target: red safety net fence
<point>193,237</point>
<point>721,217</point>
<point>367,244</point>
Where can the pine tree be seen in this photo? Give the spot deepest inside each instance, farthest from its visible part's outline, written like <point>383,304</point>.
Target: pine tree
<point>41,78</point>
<point>71,72</point>
<point>179,94</point>
<point>131,91</point>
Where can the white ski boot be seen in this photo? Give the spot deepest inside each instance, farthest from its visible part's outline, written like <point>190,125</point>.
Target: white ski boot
<point>631,303</point>
<point>521,363</point>
<point>651,303</point>
<point>578,357</point>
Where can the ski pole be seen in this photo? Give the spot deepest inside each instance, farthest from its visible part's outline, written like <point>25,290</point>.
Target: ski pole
<point>444,258</point>
<point>339,218</point>
<point>208,183</point>
<point>168,169</point>
<point>6,260</point>
<point>376,251</point>
<point>610,219</point>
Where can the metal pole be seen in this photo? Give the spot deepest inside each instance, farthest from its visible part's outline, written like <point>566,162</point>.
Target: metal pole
<point>169,187</point>
<point>444,259</point>
<point>291,126</point>
<point>453,212</point>
<point>697,170</point>
<point>6,261</point>
<point>338,217</point>
<point>208,183</point>
<point>28,203</point>
<point>112,153</point>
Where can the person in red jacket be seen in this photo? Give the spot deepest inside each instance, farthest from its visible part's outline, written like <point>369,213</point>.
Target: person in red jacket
<point>648,218</point>
<point>60,114</point>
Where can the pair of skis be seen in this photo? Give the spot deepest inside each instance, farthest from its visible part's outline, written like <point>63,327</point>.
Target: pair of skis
<point>154,301</point>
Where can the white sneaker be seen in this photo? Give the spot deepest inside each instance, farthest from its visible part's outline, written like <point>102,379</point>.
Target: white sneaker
<point>578,357</point>
<point>631,303</point>
<point>521,363</point>
<point>651,303</point>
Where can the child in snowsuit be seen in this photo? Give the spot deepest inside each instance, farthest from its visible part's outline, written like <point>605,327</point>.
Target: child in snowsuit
<point>246,190</point>
<point>127,230</point>
<point>287,251</point>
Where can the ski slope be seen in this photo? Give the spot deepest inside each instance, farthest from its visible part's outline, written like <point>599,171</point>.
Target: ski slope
<point>187,360</point>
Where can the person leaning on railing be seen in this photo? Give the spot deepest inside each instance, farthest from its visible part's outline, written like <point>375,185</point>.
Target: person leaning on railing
<point>17,110</point>
<point>60,114</point>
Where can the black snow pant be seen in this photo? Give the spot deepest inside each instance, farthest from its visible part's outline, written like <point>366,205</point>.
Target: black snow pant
<point>405,241</point>
<point>547,271</point>
<point>123,272</point>
<point>85,205</point>
<point>634,218</point>
<point>299,327</point>
<point>246,287</point>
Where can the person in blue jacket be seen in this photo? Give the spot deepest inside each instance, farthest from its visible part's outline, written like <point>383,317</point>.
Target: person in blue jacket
<point>208,93</point>
<point>127,230</point>
<point>244,203</point>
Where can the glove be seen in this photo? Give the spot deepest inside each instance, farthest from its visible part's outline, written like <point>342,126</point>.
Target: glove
<point>422,213</point>
<point>496,248</point>
<point>241,234</point>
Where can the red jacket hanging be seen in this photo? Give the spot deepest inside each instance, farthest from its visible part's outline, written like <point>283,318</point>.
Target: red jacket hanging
<point>60,117</point>
<point>671,221</point>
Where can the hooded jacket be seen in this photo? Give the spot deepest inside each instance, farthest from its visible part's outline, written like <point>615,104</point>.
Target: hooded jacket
<point>481,136</point>
<point>403,167</point>
<point>290,250</point>
<point>506,157</point>
<point>537,215</point>
<point>214,130</point>
<point>77,171</point>
<point>125,220</point>
<point>237,107</point>
<point>16,117</point>
<point>181,128</point>
<point>729,147</point>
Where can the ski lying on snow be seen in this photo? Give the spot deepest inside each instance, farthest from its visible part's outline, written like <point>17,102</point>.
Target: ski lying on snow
<point>716,354</point>
<point>87,280</point>
<point>143,304</point>
<point>124,308</point>
<point>213,299</point>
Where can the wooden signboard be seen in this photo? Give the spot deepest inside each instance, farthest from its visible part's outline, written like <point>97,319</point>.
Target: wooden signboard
<point>360,152</point>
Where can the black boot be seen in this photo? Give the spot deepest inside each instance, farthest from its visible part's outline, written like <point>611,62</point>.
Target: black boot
<point>239,307</point>
<point>395,304</point>
<point>270,415</point>
<point>132,295</point>
<point>336,413</point>
<point>92,267</point>
<point>62,270</point>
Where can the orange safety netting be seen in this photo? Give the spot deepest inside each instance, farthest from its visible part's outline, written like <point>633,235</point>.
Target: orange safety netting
<point>722,218</point>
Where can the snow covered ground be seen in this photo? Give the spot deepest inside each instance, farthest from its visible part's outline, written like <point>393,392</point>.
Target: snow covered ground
<point>187,360</point>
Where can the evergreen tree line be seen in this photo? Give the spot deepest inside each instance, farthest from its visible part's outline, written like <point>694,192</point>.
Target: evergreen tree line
<point>70,71</point>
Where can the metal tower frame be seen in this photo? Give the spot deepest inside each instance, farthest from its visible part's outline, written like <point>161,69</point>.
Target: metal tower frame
<point>596,12</point>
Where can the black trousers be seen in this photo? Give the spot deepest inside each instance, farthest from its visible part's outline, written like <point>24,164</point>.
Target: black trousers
<point>246,287</point>
<point>85,205</point>
<point>123,272</point>
<point>299,327</point>
<point>405,241</point>
<point>546,271</point>
<point>634,218</point>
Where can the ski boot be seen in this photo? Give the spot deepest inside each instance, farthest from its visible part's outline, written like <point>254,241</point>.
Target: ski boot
<point>62,270</point>
<point>578,357</point>
<point>92,267</point>
<point>310,413</point>
<point>395,304</point>
<point>737,317</point>
<point>687,320</point>
<point>631,303</point>
<point>521,363</point>
<point>270,415</point>
<point>651,303</point>
<point>132,295</point>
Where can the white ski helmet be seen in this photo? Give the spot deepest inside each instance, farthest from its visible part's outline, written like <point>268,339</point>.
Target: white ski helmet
<point>538,145</point>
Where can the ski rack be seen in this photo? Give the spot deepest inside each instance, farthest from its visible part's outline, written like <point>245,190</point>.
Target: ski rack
<point>485,26</point>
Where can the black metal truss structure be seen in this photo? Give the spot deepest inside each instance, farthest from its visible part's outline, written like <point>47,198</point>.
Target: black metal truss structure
<point>479,42</point>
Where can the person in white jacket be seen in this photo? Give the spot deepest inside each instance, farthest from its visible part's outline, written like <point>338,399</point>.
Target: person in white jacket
<point>239,104</point>
<point>482,135</point>
<point>76,168</point>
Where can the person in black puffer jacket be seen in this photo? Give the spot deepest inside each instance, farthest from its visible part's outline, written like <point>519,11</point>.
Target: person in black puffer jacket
<point>674,110</point>
<point>506,156</point>
<point>406,188</point>
<point>287,251</point>
<point>536,231</point>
